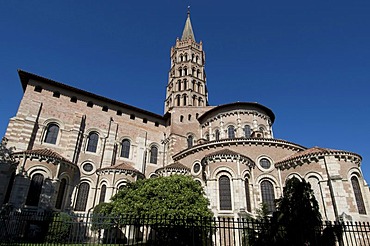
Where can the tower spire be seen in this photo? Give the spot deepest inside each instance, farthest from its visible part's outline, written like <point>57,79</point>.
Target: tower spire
<point>188,29</point>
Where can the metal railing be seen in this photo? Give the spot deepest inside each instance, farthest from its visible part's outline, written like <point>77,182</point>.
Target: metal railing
<point>77,229</point>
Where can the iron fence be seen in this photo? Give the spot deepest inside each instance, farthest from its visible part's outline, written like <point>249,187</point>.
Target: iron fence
<point>80,229</point>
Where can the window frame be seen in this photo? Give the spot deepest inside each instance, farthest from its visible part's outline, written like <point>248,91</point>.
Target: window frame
<point>82,198</point>
<point>51,135</point>
<point>225,196</point>
<point>153,158</point>
<point>268,194</point>
<point>93,145</point>
<point>125,149</point>
<point>358,195</point>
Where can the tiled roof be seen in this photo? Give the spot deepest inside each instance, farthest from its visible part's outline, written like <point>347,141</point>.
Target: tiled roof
<point>314,151</point>
<point>47,153</point>
<point>122,166</point>
<point>175,166</point>
<point>225,152</point>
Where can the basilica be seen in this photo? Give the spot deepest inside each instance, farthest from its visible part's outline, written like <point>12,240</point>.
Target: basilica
<point>75,149</point>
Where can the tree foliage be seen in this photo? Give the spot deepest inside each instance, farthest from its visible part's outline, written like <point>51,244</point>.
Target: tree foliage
<point>298,213</point>
<point>177,196</point>
<point>177,200</point>
<point>297,219</point>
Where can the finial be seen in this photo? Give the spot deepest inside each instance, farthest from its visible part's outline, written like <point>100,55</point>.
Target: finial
<point>188,10</point>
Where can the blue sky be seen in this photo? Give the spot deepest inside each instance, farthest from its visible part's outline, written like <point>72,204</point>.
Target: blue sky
<point>306,60</point>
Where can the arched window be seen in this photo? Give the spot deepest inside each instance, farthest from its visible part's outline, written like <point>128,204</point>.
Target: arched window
<point>82,196</point>
<point>194,101</point>
<point>103,191</point>
<point>268,195</point>
<point>92,142</point>
<point>207,137</point>
<point>247,195</point>
<point>184,99</point>
<point>186,57</point>
<point>125,148</point>
<point>179,85</point>
<point>217,134</point>
<point>51,134</point>
<point>358,195</point>
<point>35,189</point>
<point>225,193</point>
<point>61,191</point>
<point>178,100</point>
<point>180,72</point>
<point>185,71</point>
<point>190,140</point>
<point>153,154</point>
<point>231,132</point>
<point>185,84</point>
<point>247,131</point>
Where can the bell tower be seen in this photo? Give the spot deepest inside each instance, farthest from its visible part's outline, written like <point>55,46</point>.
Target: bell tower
<point>187,78</point>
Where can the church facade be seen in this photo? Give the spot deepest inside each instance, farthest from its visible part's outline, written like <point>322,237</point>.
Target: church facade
<point>75,149</point>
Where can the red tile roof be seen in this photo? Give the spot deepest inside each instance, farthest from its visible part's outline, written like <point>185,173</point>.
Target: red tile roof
<point>122,166</point>
<point>175,166</point>
<point>47,153</point>
<point>225,152</point>
<point>314,151</point>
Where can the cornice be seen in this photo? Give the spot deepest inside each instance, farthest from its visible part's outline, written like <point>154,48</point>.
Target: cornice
<point>299,160</point>
<point>235,142</point>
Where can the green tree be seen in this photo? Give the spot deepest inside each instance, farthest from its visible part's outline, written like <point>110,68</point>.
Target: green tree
<point>296,221</point>
<point>298,214</point>
<point>176,200</point>
<point>177,196</point>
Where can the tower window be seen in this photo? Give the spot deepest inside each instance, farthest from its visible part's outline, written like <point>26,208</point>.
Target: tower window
<point>38,88</point>
<point>178,100</point>
<point>56,94</point>
<point>268,196</point>
<point>74,99</point>
<point>225,193</point>
<point>92,142</point>
<point>358,195</point>
<point>82,196</point>
<point>190,141</point>
<point>51,135</point>
<point>153,154</point>
<point>125,148</point>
